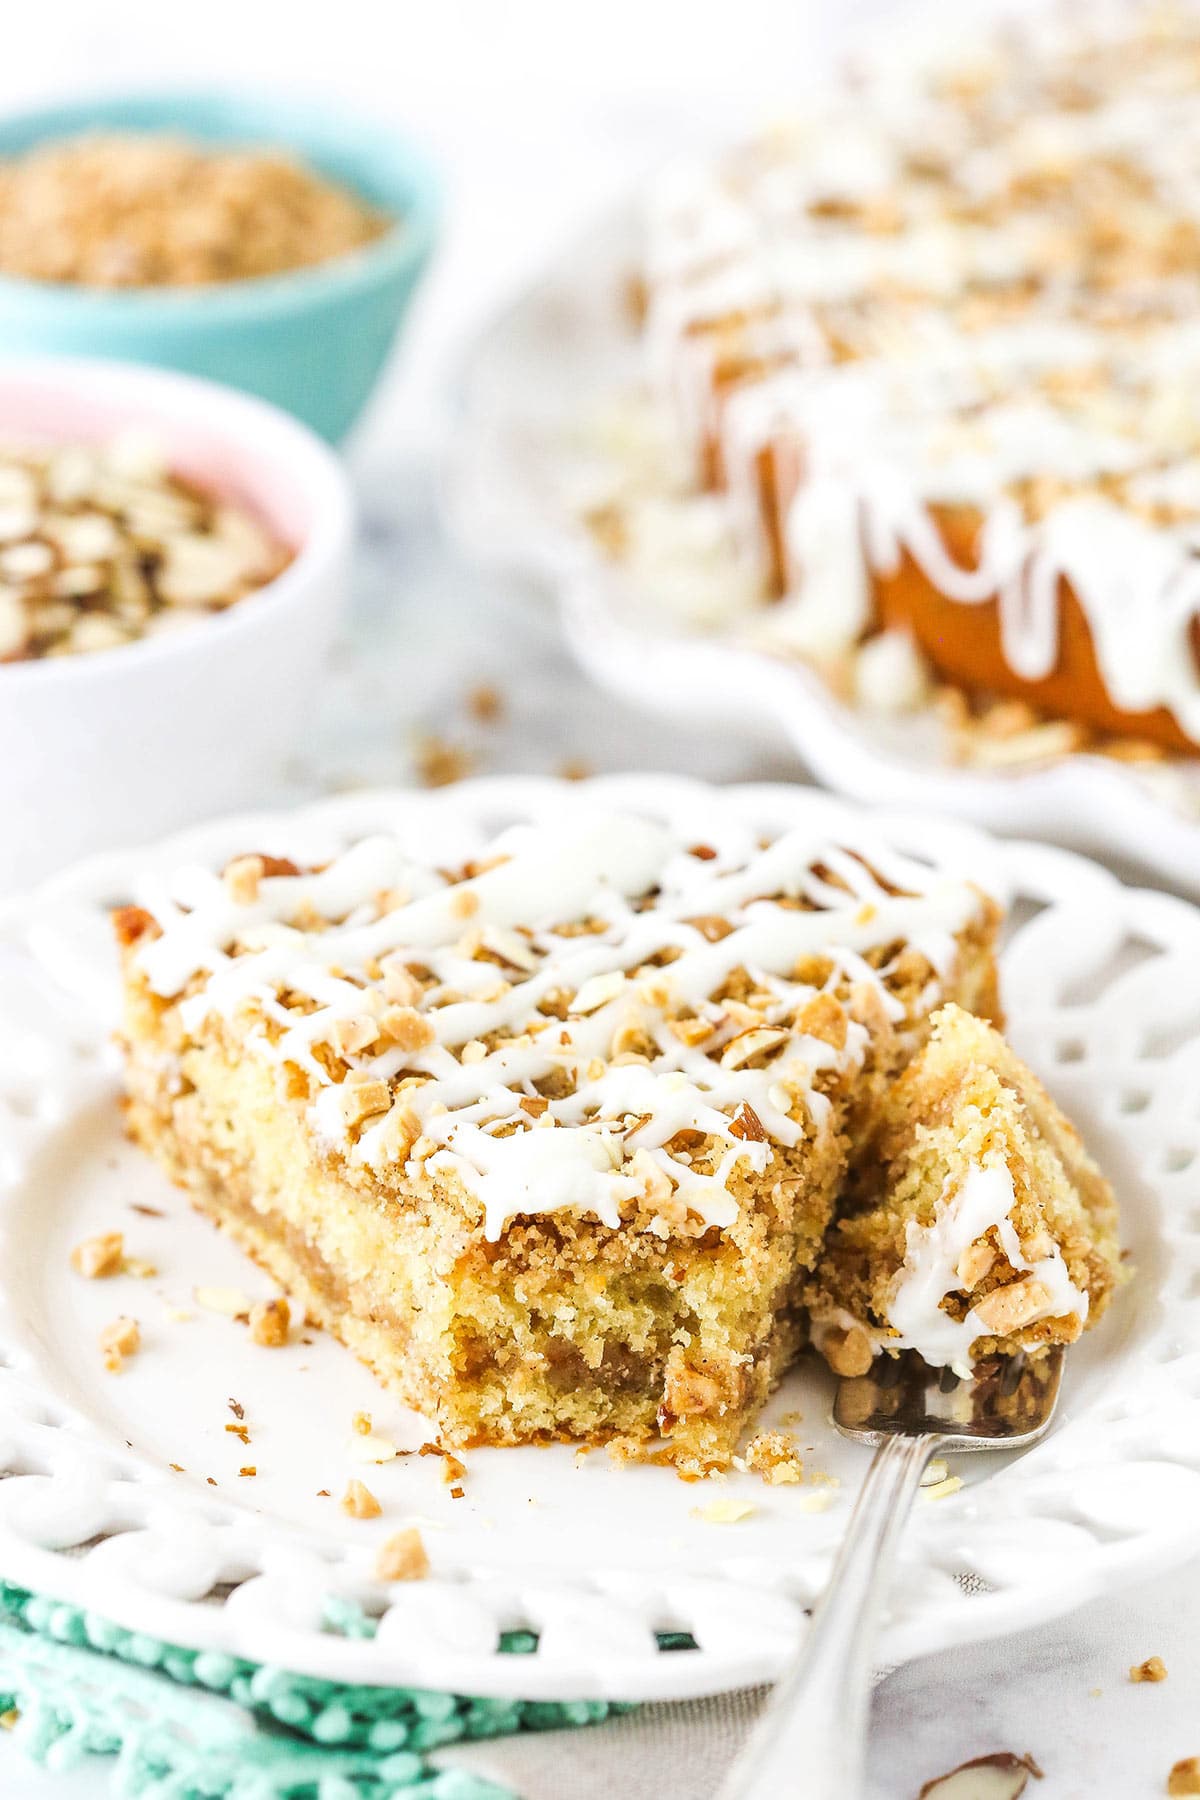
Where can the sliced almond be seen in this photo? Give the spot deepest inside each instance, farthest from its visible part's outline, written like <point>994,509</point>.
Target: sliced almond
<point>597,991</point>
<point>748,1044</point>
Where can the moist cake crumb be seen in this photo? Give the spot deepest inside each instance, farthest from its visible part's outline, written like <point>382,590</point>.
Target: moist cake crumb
<point>1185,1776</point>
<point>1153,1669</point>
<point>773,1455</point>
<point>269,1322</point>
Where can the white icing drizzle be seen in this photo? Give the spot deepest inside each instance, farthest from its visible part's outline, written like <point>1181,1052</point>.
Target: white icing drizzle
<point>603,1144</point>
<point>983,1202</point>
<point>939,404</point>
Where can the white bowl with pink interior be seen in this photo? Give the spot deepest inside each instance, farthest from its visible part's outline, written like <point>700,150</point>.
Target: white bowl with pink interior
<point>112,746</point>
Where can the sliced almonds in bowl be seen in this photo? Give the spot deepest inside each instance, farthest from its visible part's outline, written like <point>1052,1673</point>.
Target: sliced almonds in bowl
<point>103,544</point>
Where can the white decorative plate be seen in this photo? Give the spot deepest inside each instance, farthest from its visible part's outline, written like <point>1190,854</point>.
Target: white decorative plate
<point>529,452</point>
<point>122,1492</point>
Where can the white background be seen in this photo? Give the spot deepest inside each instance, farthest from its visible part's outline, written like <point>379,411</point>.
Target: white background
<point>539,112</point>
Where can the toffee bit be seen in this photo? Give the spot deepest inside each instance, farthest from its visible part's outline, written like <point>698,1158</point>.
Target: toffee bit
<point>98,1258</point>
<point>117,1341</point>
<point>439,763</point>
<point>240,1431</point>
<point>249,1469</point>
<point>403,1557</point>
<point>485,702</point>
<point>360,1502</point>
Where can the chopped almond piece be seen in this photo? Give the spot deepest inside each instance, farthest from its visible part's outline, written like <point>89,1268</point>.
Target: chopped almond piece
<point>747,1124</point>
<point>99,1257</point>
<point>269,1322</point>
<point>360,1502</point>
<point>120,1339</point>
<point>403,1557</point>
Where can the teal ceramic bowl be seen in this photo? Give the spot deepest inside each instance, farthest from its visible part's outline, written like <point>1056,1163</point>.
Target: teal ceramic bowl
<point>313,341</point>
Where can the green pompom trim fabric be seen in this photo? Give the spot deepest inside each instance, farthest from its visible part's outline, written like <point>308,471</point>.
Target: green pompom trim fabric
<point>199,1725</point>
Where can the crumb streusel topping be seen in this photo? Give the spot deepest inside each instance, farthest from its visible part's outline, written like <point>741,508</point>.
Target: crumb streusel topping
<point>149,209</point>
<point>546,1021</point>
<point>101,544</point>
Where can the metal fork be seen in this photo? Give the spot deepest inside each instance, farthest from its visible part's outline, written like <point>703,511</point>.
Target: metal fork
<point>812,1736</point>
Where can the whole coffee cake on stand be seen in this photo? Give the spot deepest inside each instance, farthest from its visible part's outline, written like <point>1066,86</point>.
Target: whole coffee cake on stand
<point>929,343</point>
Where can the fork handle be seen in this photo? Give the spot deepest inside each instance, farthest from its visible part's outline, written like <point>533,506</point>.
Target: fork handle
<point>812,1737</point>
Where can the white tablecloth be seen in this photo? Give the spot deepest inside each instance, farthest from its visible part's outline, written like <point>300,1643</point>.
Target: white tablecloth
<point>540,113</point>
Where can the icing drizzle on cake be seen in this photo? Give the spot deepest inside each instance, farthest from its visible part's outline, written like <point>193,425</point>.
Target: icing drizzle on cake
<point>943,289</point>
<point>568,1007</point>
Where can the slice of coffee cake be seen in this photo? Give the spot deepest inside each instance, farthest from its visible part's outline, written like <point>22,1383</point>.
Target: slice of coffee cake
<point>552,1138</point>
